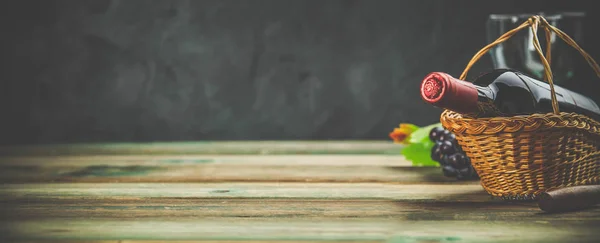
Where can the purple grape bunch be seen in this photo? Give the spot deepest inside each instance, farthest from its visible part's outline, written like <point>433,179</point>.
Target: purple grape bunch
<point>453,160</point>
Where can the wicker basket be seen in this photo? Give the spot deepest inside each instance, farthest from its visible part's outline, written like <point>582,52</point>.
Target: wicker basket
<point>519,157</point>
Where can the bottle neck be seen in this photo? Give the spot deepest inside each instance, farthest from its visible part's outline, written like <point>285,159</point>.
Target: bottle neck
<point>485,103</point>
<point>444,91</point>
<point>485,94</point>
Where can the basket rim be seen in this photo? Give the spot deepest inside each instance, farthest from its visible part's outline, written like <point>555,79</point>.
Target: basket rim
<point>456,123</point>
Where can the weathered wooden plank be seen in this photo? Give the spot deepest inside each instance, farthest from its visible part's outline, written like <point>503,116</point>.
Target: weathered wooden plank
<point>470,191</point>
<point>174,160</point>
<point>194,241</point>
<point>302,229</point>
<point>267,208</point>
<point>208,147</point>
<point>221,173</point>
<point>409,202</point>
<point>288,168</point>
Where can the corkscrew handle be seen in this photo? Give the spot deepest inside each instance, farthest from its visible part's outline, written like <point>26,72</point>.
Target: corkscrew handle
<point>569,198</point>
<point>534,23</point>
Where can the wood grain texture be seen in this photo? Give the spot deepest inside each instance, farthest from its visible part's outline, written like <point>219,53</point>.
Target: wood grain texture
<point>462,191</point>
<point>216,168</point>
<point>349,229</point>
<point>240,160</point>
<point>275,197</point>
<point>208,147</point>
<point>277,212</point>
<point>196,241</point>
<point>268,208</point>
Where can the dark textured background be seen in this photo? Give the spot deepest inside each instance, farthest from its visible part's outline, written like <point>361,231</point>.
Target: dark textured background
<point>142,70</point>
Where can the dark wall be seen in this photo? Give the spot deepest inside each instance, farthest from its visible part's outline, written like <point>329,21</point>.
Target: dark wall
<point>142,70</point>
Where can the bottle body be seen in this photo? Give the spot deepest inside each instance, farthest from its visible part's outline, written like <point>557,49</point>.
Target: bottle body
<point>502,93</point>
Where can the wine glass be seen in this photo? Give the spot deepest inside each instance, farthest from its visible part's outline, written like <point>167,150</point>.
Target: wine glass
<point>519,54</point>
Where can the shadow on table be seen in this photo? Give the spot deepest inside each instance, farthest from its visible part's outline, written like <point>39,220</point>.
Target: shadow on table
<point>481,206</point>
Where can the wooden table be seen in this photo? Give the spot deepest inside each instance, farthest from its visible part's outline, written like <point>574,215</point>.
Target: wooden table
<point>258,191</point>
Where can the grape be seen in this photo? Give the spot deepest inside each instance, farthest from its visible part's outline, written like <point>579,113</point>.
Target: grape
<point>445,135</point>
<point>465,173</point>
<point>448,148</point>
<point>436,152</point>
<point>458,160</point>
<point>453,160</point>
<point>435,133</point>
<point>449,137</point>
<point>444,160</point>
<point>449,171</point>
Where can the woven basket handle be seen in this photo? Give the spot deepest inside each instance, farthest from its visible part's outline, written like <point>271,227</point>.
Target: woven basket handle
<point>533,23</point>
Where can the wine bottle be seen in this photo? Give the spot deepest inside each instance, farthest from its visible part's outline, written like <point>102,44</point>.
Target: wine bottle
<point>502,92</point>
